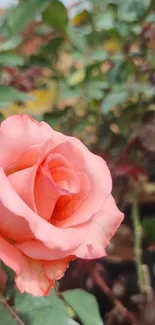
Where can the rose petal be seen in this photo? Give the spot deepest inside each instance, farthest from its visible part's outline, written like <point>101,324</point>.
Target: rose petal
<point>37,250</point>
<point>23,183</point>
<point>11,256</point>
<point>19,228</point>
<point>66,179</point>
<point>57,160</point>
<point>46,193</point>
<point>37,189</point>
<point>97,173</point>
<point>34,277</point>
<point>50,186</point>
<point>101,228</point>
<point>13,228</point>
<point>30,275</point>
<point>71,153</point>
<point>42,230</point>
<point>26,132</point>
<point>39,276</point>
<point>66,210</point>
<point>56,269</point>
<point>17,134</point>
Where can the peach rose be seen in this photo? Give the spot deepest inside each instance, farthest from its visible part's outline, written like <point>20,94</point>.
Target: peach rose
<point>55,203</point>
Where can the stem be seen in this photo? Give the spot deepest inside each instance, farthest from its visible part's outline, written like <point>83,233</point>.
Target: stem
<point>99,280</point>
<point>10,310</point>
<point>138,240</point>
<point>147,282</point>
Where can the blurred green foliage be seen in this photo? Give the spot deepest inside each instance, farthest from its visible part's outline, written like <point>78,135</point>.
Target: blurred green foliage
<point>97,70</point>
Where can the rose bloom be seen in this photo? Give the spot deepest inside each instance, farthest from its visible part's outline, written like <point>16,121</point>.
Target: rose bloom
<point>55,203</point>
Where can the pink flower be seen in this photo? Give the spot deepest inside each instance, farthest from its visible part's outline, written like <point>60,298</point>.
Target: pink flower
<point>55,203</point>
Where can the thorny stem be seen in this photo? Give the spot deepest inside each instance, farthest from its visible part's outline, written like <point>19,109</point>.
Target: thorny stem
<point>137,240</point>
<point>147,282</point>
<point>99,280</point>
<point>10,310</point>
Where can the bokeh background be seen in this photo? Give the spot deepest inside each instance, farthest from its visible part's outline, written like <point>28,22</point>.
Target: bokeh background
<point>88,69</point>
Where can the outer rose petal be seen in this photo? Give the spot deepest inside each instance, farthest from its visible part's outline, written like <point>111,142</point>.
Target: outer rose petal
<point>39,276</point>
<point>18,228</point>
<point>11,256</point>
<point>38,251</point>
<point>33,280</point>
<point>34,277</point>
<point>56,269</point>
<point>29,275</point>
<point>37,190</point>
<point>17,134</point>
<point>55,238</point>
<point>102,227</point>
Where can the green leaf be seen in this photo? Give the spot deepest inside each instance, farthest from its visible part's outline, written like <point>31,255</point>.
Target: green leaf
<point>113,99</point>
<point>85,306</point>
<point>105,20</point>
<point>10,44</point>
<point>5,317</point>
<point>115,72</point>
<point>67,92</point>
<point>104,3</point>
<point>11,59</point>
<point>95,89</point>
<point>132,10</point>
<point>56,15</point>
<point>151,17</point>
<point>99,55</point>
<point>136,29</point>
<point>10,95</point>
<point>78,40</point>
<point>97,2</point>
<point>49,310</point>
<point>20,16</point>
<point>53,46</point>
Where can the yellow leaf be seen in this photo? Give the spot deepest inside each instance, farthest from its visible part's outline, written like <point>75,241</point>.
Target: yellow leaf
<point>54,90</point>
<point>80,18</point>
<point>112,46</point>
<point>77,77</point>
<point>42,102</point>
<point>44,99</point>
<point>11,110</point>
